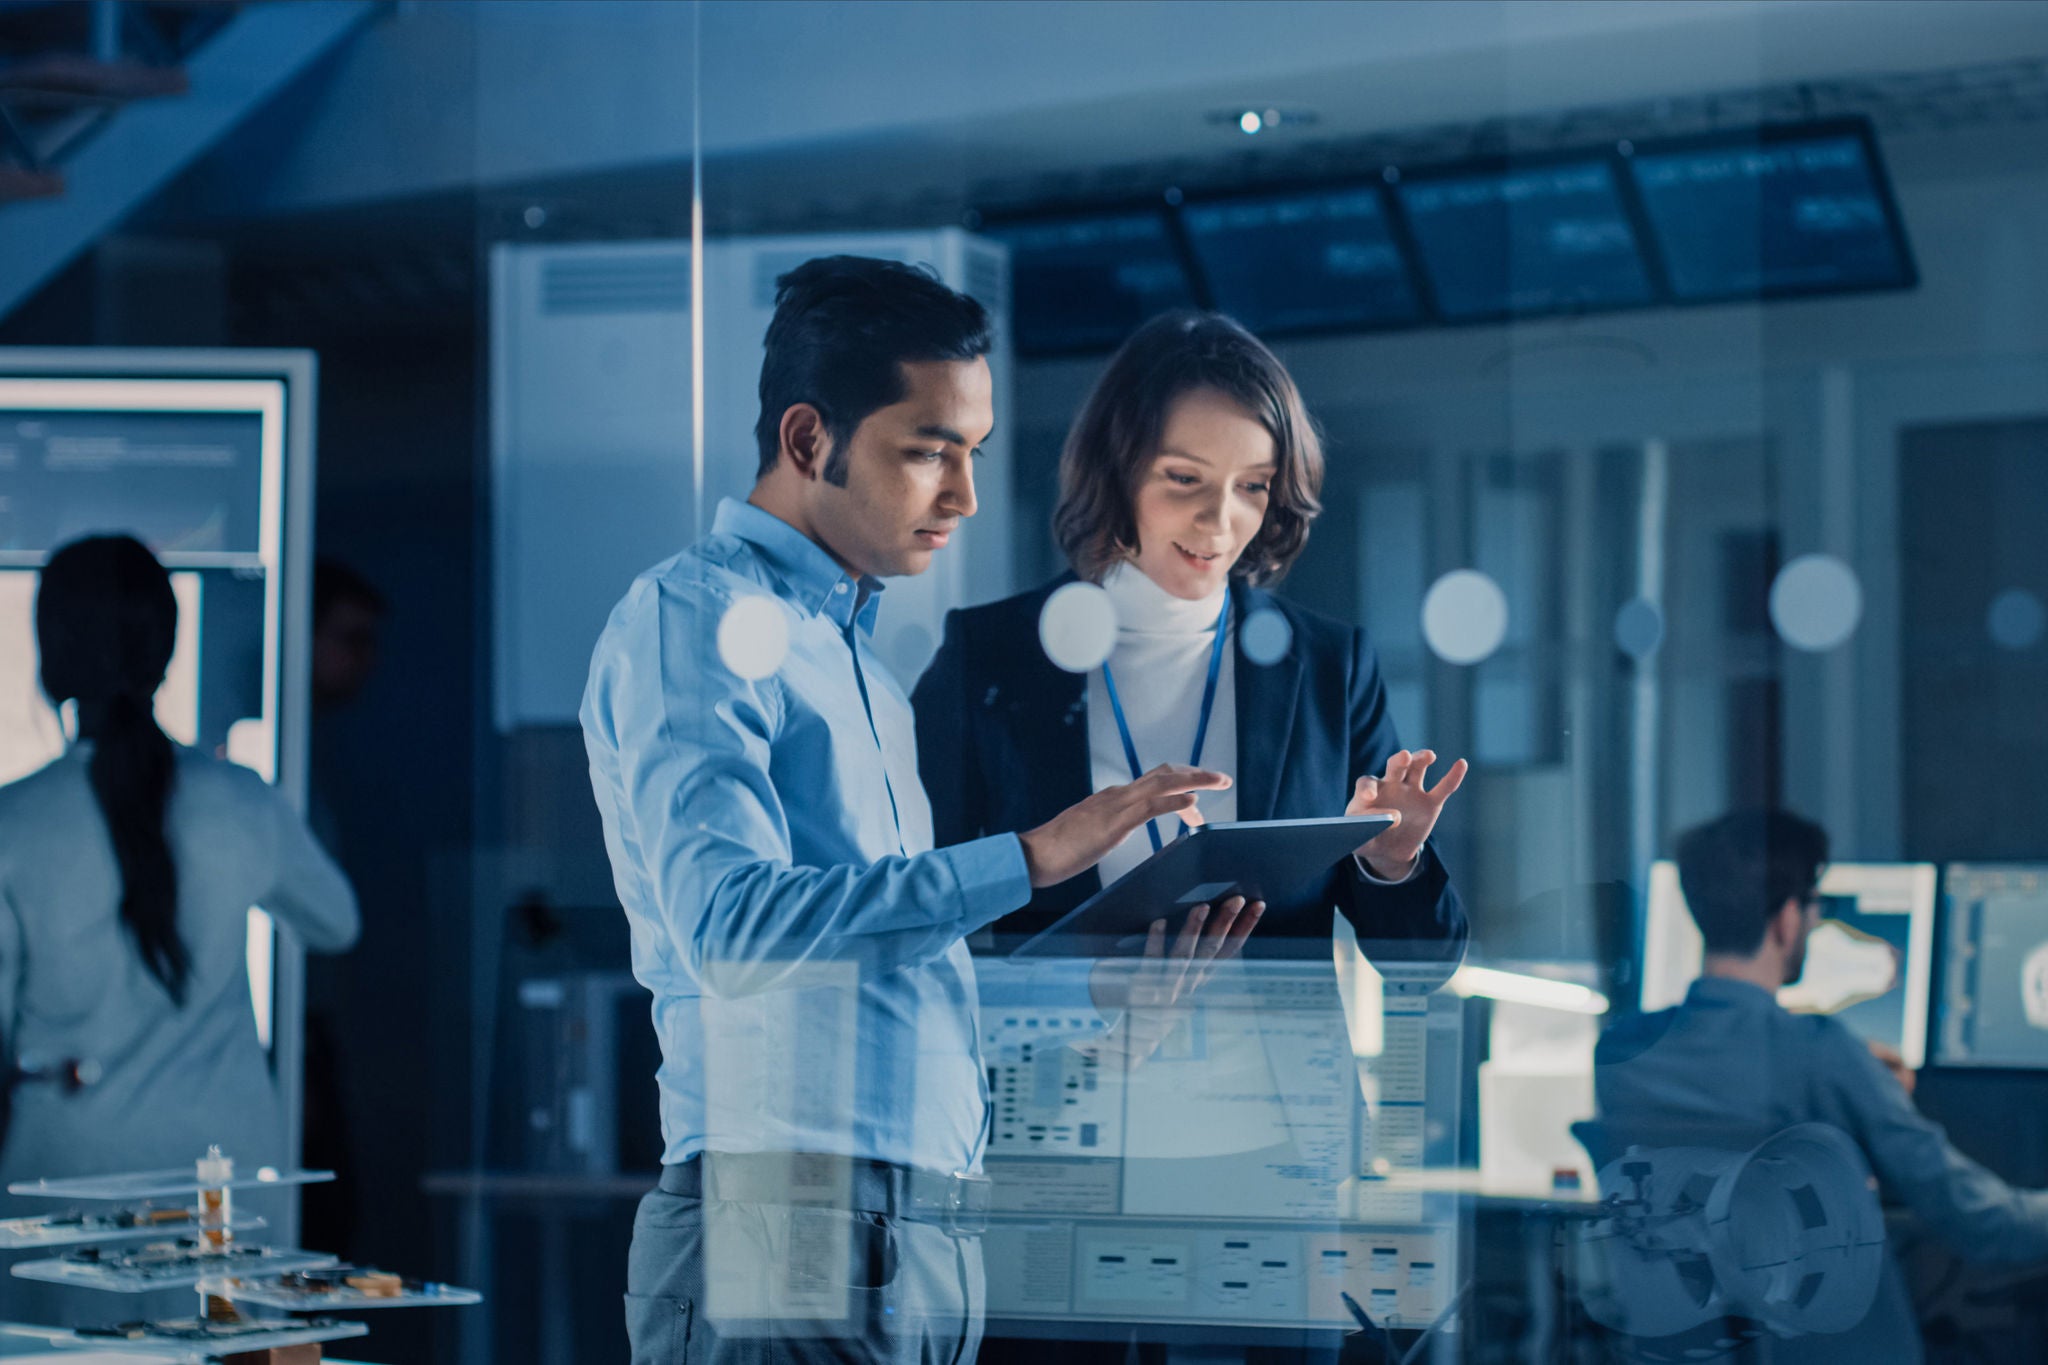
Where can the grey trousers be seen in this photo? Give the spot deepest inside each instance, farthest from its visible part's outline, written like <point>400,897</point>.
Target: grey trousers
<point>718,1282</point>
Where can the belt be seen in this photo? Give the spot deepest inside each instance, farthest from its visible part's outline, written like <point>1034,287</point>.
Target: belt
<point>957,1203</point>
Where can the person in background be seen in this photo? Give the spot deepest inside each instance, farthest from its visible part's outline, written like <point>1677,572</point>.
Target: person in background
<point>128,867</point>
<point>1731,1054</point>
<point>348,628</point>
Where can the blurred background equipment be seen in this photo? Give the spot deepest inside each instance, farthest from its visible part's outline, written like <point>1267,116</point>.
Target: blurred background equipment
<point>1786,1234</point>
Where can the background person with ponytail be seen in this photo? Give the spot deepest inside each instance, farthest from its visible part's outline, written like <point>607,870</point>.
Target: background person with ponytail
<point>127,870</point>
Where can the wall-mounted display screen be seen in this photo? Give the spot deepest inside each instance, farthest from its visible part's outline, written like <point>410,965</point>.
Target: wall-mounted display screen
<point>1772,213</point>
<point>1085,283</point>
<point>1526,240</point>
<point>1314,261</point>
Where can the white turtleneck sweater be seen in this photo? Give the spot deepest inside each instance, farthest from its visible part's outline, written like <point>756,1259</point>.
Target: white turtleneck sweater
<point>1161,662</point>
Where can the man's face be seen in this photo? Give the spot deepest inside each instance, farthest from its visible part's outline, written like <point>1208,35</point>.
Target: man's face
<point>344,651</point>
<point>909,471</point>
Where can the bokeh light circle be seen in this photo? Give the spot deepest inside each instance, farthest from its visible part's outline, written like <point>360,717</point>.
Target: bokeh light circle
<point>753,637</point>
<point>1077,627</point>
<point>1266,637</point>
<point>1638,628</point>
<point>2017,620</point>
<point>1816,603</point>
<point>1464,617</point>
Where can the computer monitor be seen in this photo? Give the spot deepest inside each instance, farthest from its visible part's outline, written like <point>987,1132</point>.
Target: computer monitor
<point>1525,239</point>
<point>1318,260</point>
<point>1084,283</point>
<point>1869,964</point>
<point>205,456</point>
<point>1233,1181</point>
<point>1992,1009</point>
<point>1772,212</point>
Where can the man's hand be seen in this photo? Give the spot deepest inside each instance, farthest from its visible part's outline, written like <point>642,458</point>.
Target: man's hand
<point>1154,991</point>
<point>1074,840</point>
<point>1894,1063</point>
<point>1415,808</point>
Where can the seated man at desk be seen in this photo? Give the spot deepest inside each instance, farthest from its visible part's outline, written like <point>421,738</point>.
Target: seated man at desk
<point>1729,1054</point>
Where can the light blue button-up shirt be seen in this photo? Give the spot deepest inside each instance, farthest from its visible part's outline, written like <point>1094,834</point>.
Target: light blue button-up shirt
<point>772,847</point>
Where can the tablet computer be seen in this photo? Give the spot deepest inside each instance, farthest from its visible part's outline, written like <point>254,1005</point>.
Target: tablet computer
<point>1285,863</point>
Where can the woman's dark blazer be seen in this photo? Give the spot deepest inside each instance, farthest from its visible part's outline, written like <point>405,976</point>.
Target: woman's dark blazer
<point>1002,745</point>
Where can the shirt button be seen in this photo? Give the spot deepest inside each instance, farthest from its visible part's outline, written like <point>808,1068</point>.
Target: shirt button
<point>839,587</point>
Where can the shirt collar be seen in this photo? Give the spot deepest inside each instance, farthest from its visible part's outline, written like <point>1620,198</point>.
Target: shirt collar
<point>810,577</point>
<point>1726,990</point>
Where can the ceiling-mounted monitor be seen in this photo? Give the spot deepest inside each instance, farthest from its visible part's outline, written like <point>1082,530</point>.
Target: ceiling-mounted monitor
<point>1312,261</point>
<point>1772,212</point>
<point>1525,239</point>
<point>1084,282</point>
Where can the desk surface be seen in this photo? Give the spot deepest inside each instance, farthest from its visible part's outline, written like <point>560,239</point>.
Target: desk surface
<point>539,1184</point>
<point>1471,1183</point>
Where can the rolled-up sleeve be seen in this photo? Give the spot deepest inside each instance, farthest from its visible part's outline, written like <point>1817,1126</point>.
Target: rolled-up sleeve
<point>683,763</point>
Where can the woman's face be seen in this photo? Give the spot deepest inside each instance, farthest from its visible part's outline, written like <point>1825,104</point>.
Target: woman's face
<point>1204,497</point>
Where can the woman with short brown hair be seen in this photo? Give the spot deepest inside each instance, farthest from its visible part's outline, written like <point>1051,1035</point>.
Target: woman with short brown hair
<point>1188,483</point>
<point>1110,450</point>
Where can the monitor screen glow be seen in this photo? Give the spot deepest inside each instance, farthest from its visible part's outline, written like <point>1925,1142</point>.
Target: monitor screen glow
<point>1993,1008</point>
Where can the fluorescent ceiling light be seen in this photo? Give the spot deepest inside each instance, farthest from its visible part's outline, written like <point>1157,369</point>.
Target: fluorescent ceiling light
<point>1519,989</point>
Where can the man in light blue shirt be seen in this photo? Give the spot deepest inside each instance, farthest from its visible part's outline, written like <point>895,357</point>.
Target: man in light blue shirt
<point>823,1097</point>
<point>1730,1057</point>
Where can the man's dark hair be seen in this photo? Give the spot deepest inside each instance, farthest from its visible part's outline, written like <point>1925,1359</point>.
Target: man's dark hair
<point>1739,870</point>
<point>335,582</point>
<point>844,326</point>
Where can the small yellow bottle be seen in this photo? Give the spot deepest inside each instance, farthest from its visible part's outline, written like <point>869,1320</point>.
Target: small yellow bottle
<point>216,1202</point>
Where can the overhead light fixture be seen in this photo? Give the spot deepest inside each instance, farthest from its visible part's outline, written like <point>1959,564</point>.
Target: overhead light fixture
<point>1256,119</point>
<point>1521,989</point>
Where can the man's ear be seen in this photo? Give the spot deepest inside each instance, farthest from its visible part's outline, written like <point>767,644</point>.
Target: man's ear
<point>806,444</point>
<point>1785,925</point>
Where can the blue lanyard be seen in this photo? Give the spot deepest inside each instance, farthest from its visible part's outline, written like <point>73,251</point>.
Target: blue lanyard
<point>1123,729</point>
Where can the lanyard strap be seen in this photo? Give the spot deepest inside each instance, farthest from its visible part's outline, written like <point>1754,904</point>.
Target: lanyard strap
<point>1123,729</point>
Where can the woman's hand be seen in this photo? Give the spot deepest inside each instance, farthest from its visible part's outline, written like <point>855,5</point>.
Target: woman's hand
<point>1415,808</point>
<point>1152,994</point>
